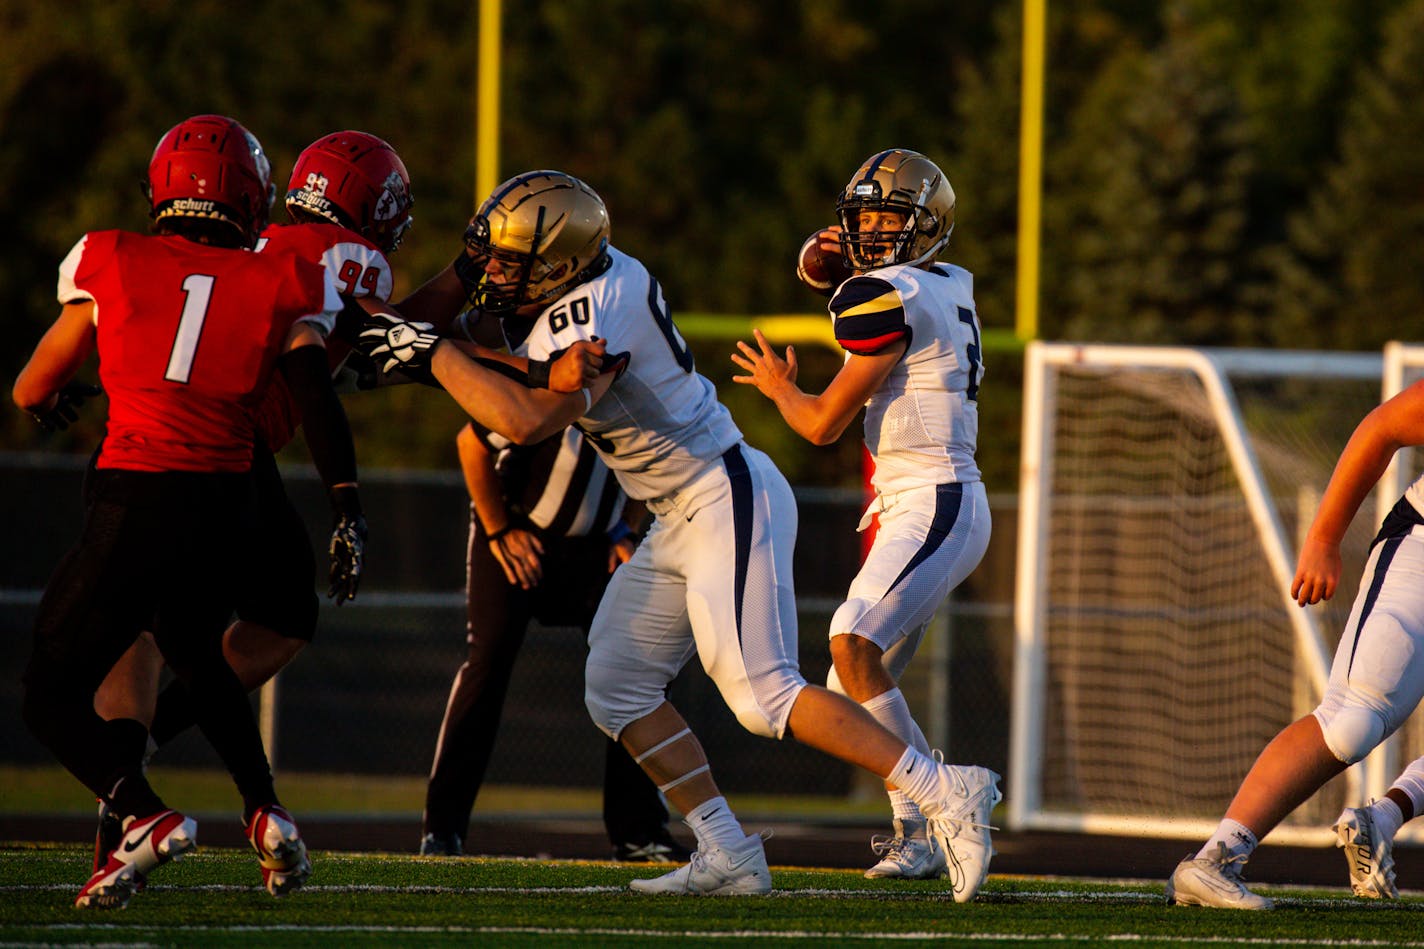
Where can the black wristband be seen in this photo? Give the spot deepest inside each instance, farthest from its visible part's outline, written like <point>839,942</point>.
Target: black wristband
<point>539,371</point>
<point>496,535</point>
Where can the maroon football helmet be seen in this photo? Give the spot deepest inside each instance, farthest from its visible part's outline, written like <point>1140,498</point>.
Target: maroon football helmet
<point>210,168</point>
<point>355,180</point>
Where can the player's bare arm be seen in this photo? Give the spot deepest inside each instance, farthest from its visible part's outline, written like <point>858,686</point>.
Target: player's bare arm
<point>820,419</point>
<point>521,414</point>
<point>333,452</point>
<point>573,369</point>
<point>501,404</point>
<point>64,348</point>
<point>1389,427</point>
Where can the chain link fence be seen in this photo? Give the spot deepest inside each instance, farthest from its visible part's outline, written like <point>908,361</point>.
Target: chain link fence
<point>367,696</point>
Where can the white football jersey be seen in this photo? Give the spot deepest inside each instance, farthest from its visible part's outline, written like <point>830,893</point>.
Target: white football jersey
<point>1414,494</point>
<point>922,424</point>
<point>660,424</point>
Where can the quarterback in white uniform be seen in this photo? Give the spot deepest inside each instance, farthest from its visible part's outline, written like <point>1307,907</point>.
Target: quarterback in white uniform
<point>911,336</point>
<point>713,576</point>
<point>1376,681</point>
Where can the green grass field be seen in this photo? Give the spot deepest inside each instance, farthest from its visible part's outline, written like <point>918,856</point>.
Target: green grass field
<point>213,899</point>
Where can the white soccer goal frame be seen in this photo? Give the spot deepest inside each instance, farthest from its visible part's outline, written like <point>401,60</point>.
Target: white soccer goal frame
<point>1211,366</point>
<point>1384,765</point>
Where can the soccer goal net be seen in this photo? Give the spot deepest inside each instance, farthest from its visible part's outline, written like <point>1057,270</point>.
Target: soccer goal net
<point>1157,647</point>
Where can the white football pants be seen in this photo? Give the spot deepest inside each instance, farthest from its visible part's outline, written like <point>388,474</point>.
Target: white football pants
<point>713,577</point>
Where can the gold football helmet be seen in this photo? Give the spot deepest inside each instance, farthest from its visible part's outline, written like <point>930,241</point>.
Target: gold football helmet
<point>548,231</point>
<point>904,182</point>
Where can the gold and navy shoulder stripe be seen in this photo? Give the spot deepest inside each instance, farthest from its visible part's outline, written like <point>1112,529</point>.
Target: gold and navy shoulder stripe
<point>869,315</point>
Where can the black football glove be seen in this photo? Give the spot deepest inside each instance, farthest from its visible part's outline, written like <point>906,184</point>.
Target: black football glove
<point>66,406</point>
<point>347,549</point>
<point>396,344</point>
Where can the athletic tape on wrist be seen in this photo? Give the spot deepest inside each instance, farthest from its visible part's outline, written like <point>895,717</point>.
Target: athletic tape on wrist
<point>639,759</point>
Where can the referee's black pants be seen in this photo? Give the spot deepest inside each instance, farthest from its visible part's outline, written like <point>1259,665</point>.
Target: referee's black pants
<point>498,615</point>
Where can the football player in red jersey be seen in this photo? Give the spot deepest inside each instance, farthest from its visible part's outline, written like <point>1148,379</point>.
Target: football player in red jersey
<point>189,328</point>
<point>349,201</point>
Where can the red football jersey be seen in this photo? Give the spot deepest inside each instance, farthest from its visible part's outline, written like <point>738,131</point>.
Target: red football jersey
<point>359,269</point>
<point>188,336</point>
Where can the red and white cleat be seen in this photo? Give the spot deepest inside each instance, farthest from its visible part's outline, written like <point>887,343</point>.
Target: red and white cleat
<point>280,851</point>
<point>147,843</point>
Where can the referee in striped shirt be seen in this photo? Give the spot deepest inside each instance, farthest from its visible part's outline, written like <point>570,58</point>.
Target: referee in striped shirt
<point>547,528</point>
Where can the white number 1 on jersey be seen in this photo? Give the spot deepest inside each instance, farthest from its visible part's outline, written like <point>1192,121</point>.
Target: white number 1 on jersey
<point>198,290</point>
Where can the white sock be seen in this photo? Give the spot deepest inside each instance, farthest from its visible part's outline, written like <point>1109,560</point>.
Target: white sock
<point>1237,837</point>
<point>1388,818</point>
<point>714,824</point>
<point>903,808</point>
<point>917,775</point>
<point>1411,782</point>
<point>892,711</point>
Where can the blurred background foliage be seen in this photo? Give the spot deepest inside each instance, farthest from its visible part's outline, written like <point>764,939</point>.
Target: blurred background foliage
<point>1217,172</point>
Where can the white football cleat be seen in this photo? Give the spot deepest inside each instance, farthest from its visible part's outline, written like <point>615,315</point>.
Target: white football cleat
<point>959,824</point>
<point>147,843</point>
<point>722,871</point>
<point>280,851</point>
<point>1368,855</point>
<point>1214,880</point>
<point>909,855</point>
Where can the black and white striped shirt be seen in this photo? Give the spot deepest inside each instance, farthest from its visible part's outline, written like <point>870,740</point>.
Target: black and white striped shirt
<point>560,485</point>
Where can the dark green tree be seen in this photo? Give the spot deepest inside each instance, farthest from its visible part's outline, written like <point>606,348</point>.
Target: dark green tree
<point>1348,275</point>
<point>1291,63</point>
<point>1144,234</point>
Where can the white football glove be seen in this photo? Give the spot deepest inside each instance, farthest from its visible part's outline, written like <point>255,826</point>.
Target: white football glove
<point>397,344</point>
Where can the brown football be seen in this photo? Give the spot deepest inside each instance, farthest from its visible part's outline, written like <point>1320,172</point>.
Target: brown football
<point>819,269</point>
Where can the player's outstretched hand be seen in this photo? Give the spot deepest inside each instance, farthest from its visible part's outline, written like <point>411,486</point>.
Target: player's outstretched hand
<point>396,344</point>
<point>765,369</point>
<point>66,406</point>
<point>1317,573</point>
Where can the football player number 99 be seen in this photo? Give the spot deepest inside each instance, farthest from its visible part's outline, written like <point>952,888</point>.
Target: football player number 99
<point>353,275</point>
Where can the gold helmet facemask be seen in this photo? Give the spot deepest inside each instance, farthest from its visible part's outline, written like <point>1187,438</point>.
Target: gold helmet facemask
<point>902,182</point>
<point>548,231</point>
